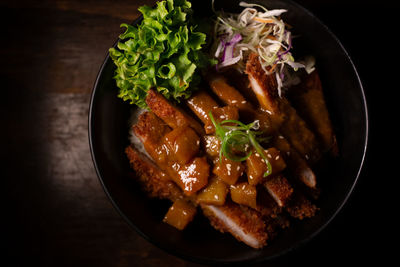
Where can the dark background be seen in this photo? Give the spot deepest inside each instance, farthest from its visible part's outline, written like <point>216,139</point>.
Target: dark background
<point>55,212</point>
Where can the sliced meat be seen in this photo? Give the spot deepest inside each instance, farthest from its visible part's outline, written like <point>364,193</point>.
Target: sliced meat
<point>190,176</point>
<point>170,114</point>
<point>266,205</point>
<point>242,84</point>
<point>228,94</point>
<point>150,130</point>
<point>243,223</point>
<point>298,167</point>
<point>308,99</point>
<point>264,86</point>
<point>299,135</point>
<point>301,170</point>
<point>279,188</point>
<point>153,180</point>
<point>221,114</point>
<point>201,103</point>
<point>282,113</point>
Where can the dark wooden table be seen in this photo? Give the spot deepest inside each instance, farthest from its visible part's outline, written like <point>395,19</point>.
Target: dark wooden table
<point>55,211</point>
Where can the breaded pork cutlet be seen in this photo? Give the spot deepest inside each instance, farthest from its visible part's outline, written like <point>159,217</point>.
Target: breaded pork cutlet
<point>228,94</point>
<point>150,130</point>
<point>172,115</point>
<point>298,165</point>
<point>278,187</point>
<point>276,197</point>
<point>165,146</point>
<point>293,127</point>
<point>154,182</point>
<point>243,223</point>
<point>308,99</point>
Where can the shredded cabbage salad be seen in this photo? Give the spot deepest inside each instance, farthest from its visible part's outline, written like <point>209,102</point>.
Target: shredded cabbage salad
<point>261,31</point>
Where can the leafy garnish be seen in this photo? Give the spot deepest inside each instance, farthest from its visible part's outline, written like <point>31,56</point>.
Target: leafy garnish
<point>237,139</point>
<point>163,52</point>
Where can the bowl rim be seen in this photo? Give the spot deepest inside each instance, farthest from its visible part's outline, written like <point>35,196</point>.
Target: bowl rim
<point>206,260</point>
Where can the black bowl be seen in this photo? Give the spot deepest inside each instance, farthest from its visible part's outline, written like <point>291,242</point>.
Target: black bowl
<point>108,136</point>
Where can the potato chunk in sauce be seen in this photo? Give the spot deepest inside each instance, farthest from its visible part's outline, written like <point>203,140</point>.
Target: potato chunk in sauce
<point>180,214</point>
<point>256,166</point>
<point>192,176</point>
<point>215,192</point>
<point>228,170</point>
<point>221,114</point>
<point>245,194</point>
<point>183,144</point>
<point>211,145</point>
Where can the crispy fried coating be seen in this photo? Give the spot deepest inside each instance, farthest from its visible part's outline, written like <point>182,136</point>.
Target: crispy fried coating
<point>150,130</point>
<point>227,93</point>
<point>276,199</point>
<point>153,181</point>
<point>201,103</point>
<point>173,116</point>
<point>308,99</point>
<point>264,86</point>
<point>298,166</point>
<point>300,207</point>
<point>292,126</point>
<point>279,188</point>
<point>243,223</point>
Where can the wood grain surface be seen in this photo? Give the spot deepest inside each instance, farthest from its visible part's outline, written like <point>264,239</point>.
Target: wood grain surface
<point>56,212</point>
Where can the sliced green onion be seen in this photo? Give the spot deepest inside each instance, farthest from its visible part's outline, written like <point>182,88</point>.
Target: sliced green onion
<point>238,138</point>
<point>260,150</point>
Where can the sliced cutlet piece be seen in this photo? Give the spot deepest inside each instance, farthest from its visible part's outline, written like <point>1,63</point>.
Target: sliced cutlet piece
<point>190,176</point>
<point>228,94</point>
<point>300,207</point>
<point>298,133</point>
<point>291,125</point>
<point>201,103</point>
<point>298,166</point>
<point>271,213</point>
<point>150,130</point>
<point>279,188</point>
<point>266,205</point>
<point>301,170</point>
<point>145,128</point>
<point>173,116</point>
<point>308,99</point>
<point>155,182</point>
<point>242,84</point>
<point>243,223</point>
<point>264,86</point>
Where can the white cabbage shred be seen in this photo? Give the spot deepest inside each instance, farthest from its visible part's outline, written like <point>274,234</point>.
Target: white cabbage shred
<point>261,31</point>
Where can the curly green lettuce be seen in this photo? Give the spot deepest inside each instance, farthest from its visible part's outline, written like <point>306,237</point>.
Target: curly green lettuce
<point>162,52</point>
